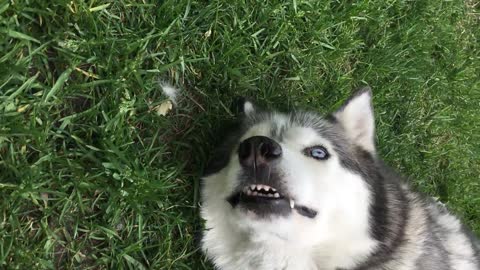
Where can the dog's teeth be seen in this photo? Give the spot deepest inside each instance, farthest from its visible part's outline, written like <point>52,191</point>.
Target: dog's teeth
<point>292,204</point>
<point>254,193</point>
<point>249,193</point>
<point>252,187</point>
<point>266,188</point>
<point>276,195</point>
<point>270,195</point>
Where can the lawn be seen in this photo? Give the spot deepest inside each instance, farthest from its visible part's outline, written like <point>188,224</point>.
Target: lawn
<point>91,177</point>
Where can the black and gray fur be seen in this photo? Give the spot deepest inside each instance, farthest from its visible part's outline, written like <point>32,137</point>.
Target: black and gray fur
<point>413,231</point>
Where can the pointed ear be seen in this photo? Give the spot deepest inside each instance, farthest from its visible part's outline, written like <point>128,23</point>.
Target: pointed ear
<point>245,107</point>
<point>356,117</point>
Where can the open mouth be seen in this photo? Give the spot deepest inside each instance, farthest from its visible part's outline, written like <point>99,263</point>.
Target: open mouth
<point>266,200</point>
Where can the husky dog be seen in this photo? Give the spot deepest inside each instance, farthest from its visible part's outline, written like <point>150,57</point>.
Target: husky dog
<point>300,192</point>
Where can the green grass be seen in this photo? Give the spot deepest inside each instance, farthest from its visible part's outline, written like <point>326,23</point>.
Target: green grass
<point>92,178</point>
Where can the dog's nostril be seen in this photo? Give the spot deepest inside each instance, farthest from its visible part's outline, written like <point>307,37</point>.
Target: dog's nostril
<point>264,149</point>
<point>258,149</point>
<point>270,150</point>
<point>244,150</point>
<point>276,150</point>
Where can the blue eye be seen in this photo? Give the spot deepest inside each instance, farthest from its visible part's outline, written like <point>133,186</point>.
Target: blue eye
<point>317,152</point>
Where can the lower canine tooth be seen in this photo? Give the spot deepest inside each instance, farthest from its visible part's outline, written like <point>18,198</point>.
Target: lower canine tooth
<point>292,204</point>
<point>276,195</point>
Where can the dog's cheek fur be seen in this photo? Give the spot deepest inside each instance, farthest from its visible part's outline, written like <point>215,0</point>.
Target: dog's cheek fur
<point>217,214</point>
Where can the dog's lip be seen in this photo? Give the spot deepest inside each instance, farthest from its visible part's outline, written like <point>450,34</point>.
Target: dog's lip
<point>256,194</point>
<point>247,196</point>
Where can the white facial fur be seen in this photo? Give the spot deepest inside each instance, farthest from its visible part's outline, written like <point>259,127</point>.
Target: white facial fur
<point>336,238</point>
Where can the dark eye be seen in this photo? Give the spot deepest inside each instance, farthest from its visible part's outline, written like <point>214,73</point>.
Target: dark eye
<point>317,152</point>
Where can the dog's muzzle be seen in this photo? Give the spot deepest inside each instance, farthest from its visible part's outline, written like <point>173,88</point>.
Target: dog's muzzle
<point>261,190</point>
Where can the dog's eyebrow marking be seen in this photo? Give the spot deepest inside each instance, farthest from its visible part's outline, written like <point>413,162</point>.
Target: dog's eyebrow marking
<point>278,126</point>
<point>277,131</point>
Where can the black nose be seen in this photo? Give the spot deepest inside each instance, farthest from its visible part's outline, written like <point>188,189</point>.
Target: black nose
<point>258,150</point>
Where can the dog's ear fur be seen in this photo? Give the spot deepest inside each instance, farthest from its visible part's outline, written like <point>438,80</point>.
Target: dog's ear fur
<point>245,107</point>
<point>356,117</point>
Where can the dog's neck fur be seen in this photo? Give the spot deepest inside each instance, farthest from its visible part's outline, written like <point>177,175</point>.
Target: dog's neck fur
<point>245,253</point>
<point>242,251</point>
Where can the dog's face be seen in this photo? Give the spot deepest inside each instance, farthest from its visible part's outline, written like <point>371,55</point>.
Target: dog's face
<point>294,177</point>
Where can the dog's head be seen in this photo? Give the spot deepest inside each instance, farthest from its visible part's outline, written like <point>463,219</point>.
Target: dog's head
<point>298,177</point>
